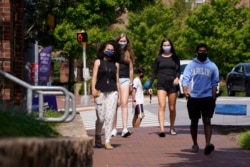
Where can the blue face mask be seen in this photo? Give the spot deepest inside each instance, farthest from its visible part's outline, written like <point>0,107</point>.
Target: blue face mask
<point>109,53</point>
<point>166,48</point>
<point>123,44</point>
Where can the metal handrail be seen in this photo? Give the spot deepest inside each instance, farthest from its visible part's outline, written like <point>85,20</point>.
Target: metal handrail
<point>53,90</point>
<point>72,100</point>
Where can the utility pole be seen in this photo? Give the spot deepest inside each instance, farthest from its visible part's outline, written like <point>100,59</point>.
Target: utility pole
<point>83,38</point>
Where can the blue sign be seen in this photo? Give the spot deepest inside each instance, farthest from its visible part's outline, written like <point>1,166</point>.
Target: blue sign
<point>49,103</point>
<point>231,109</point>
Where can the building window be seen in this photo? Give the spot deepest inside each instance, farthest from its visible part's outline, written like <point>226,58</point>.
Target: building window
<point>199,2</point>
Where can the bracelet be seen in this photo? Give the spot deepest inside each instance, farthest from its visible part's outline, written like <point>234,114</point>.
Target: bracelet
<point>134,100</point>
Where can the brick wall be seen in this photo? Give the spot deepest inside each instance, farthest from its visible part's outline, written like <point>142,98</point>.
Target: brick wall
<point>11,46</point>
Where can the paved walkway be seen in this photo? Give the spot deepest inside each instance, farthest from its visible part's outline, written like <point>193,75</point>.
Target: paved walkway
<point>145,149</point>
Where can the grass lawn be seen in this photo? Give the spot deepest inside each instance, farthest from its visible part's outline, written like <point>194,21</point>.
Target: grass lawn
<point>17,123</point>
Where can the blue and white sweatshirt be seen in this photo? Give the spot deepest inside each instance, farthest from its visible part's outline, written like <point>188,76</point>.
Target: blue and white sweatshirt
<point>200,78</point>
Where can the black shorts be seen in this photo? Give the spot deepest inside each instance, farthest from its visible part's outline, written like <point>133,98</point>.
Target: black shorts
<point>198,107</point>
<point>170,88</point>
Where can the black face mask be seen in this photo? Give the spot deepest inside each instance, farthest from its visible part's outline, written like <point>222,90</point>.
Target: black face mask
<point>202,57</point>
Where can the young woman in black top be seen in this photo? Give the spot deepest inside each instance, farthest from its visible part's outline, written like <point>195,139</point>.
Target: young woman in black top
<point>167,68</point>
<point>105,89</point>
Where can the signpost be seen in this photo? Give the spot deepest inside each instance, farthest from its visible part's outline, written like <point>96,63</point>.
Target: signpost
<point>82,37</point>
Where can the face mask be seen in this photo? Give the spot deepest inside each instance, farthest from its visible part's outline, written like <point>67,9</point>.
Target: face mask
<point>166,48</point>
<point>202,57</point>
<point>109,53</point>
<point>123,44</point>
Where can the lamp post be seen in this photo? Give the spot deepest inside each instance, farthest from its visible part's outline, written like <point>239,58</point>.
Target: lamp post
<point>83,38</point>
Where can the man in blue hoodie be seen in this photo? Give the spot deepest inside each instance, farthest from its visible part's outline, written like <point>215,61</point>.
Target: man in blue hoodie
<point>200,81</point>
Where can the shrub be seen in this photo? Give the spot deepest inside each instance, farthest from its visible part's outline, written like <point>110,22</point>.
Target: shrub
<point>81,90</point>
<point>244,140</point>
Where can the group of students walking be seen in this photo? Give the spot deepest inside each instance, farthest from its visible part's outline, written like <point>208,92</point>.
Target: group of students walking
<point>113,81</point>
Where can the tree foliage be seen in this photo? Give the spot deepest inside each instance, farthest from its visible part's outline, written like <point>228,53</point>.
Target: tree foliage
<point>148,27</point>
<point>222,24</point>
<point>224,27</point>
<point>72,16</point>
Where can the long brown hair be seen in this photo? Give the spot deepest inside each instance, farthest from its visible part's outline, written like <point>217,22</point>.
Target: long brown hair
<point>127,51</point>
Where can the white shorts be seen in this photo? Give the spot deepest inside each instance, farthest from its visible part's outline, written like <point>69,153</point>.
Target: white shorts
<point>124,81</point>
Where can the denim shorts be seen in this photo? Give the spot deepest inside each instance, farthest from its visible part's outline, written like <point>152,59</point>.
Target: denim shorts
<point>124,81</point>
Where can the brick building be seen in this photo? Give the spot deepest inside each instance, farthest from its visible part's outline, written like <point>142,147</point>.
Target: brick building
<point>12,47</point>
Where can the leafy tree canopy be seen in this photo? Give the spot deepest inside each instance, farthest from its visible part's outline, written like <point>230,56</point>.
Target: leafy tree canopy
<point>222,24</point>
<point>72,16</point>
<point>148,27</point>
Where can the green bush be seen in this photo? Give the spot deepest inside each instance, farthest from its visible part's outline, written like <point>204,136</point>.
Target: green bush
<point>18,123</point>
<point>81,90</point>
<point>244,140</point>
<point>223,90</point>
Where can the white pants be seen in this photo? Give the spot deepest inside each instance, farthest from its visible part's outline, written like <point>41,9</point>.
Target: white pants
<point>105,105</point>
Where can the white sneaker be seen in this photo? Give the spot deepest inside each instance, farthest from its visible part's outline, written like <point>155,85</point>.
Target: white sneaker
<point>125,133</point>
<point>114,133</point>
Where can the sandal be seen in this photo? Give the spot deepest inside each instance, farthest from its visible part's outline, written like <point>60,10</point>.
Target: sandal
<point>162,134</point>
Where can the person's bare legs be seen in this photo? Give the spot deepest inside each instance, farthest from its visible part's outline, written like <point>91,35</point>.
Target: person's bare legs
<point>208,134</point>
<point>194,130</point>
<point>207,129</point>
<point>161,108</point>
<point>172,108</point>
<point>135,117</point>
<point>124,93</point>
<point>115,119</point>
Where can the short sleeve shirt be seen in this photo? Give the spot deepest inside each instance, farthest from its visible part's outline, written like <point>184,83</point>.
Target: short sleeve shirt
<point>139,96</point>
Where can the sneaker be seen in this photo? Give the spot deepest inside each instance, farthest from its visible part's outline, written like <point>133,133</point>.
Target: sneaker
<point>125,133</point>
<point>172,131</point>
<point>208,149</point>
<point>113,133</point>
<point>195,149</point>
<point>162,134</point>
<point>108,146</point>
